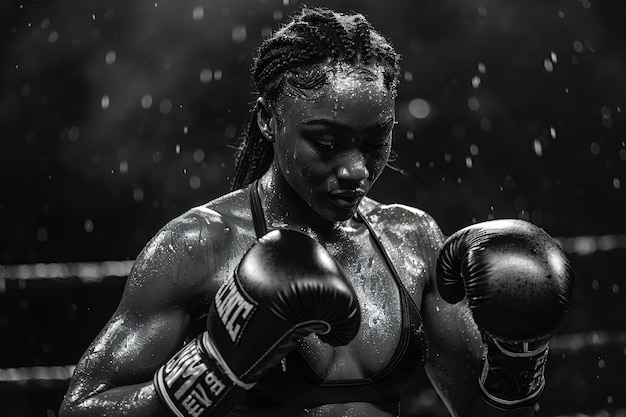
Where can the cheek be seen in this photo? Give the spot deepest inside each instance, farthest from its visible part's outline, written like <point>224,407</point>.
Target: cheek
<point>301,164</point>
<point>379,160</point>
<point>311,166</point>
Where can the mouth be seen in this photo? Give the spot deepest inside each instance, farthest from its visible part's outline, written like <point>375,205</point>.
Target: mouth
<point>347,198</point>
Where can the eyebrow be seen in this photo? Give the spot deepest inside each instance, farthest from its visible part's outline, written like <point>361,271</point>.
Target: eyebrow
<point>333,124</point>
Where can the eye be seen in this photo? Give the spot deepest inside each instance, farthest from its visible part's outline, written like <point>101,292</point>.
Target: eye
<point>378,143</point>
<point>322,141</point>
<point>324,145</point>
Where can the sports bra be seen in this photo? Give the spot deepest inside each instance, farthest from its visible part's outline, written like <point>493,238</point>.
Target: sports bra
<point>296,383</point>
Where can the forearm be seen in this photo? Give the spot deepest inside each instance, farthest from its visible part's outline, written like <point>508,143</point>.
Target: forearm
<point>125,401</point>
<point>462,396</point>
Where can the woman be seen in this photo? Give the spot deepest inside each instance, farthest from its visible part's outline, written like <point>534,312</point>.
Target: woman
<point>319,138</point>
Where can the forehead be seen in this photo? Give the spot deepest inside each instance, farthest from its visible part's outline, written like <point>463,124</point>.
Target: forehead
<point>350,79</point>
<point>352,93</point>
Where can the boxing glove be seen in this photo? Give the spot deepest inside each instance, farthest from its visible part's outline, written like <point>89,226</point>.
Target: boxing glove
<point>518,284</point>
<point>285,287</point>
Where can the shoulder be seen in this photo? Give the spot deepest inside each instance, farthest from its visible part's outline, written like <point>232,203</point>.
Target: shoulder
<point>411,233</point>
<point>214,223</point>
<point>193,252</point>
<point>404,218</point>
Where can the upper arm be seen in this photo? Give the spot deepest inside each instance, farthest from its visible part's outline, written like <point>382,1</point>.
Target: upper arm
<point>454,361</point>
<point>171,275</point>
<point>454,342</point>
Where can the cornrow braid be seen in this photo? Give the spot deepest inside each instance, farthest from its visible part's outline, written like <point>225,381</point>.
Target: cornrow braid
<point>279,65</point>
<point>346,42</point>
<point>312,36</point>
<point>333,34</point>
<point>362,32</point>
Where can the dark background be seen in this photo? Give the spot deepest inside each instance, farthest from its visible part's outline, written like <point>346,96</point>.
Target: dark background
<point>117,116</point>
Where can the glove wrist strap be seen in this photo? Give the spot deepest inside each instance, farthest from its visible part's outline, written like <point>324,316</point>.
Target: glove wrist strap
<point>196,382</point>
<point>513,374</point>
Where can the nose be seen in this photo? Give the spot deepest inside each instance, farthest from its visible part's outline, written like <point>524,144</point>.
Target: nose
<point>352,167</point>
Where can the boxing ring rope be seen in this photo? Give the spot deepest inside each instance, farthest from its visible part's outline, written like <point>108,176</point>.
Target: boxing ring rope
<point>93,272</point>
<point>72,274</point>
<point>561,344</point>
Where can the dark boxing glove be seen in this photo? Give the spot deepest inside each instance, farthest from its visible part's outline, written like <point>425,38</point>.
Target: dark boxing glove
<point>518,285</point>
<point>285,287</point>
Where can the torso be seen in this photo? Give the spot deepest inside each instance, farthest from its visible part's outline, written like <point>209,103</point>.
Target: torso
<point>369,375</point>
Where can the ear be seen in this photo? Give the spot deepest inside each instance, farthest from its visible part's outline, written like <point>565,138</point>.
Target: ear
<point>265,119</point>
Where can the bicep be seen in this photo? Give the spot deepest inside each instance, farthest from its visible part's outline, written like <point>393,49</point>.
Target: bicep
<point>149,324</point>
<point>131,346</point>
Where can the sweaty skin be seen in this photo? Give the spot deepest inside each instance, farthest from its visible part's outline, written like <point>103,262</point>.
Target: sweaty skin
<point>329,149</point>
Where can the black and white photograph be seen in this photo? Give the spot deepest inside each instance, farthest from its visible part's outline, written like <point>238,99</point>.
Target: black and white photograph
<point>318,208</point>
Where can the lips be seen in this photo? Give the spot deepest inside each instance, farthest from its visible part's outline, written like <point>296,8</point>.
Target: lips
<point>348,193</point>
<point>347,198</point>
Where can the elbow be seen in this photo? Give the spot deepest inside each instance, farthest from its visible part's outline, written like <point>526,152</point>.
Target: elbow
<point>68,408</point>
<point>72,406</point>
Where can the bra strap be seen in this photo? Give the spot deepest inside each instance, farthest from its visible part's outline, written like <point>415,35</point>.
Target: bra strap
<point>260,227</point>
<point>394,272</point>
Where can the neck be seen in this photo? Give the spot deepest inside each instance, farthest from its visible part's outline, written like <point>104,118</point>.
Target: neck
<point>285,208</point>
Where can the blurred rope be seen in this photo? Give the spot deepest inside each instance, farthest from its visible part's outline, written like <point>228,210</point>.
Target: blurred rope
<point>95,272</point>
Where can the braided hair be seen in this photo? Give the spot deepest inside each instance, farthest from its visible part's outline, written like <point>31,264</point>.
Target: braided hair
<point>313,36</point>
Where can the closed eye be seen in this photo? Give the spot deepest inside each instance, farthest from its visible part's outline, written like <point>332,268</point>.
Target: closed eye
<point>324,146</point>
<point>321,139</point>
<point>378,141</point>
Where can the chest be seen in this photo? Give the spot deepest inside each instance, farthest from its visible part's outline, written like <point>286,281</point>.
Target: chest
<point>375,275</point>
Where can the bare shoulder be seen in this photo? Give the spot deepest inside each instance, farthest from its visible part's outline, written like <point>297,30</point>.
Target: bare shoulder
<point>189,257</point>
<point>410,237</point>
<point>403,218</point>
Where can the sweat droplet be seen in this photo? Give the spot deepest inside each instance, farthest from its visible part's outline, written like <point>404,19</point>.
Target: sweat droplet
<point>553,132</point>
<point>198,13</point>
<point>548,65</point>
<point>110,57</point>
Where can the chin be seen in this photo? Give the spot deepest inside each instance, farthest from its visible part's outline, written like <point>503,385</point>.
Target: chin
<point>338,215</point>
